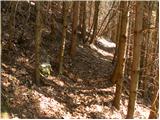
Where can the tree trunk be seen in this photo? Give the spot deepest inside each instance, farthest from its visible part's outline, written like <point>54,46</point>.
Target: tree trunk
<point>90,14</point>
<point>154,109</point>
<point>74,28</point>
<point>81,16</point>
<point>95,22</point>
<point>38,41</point>
<point>114,61</point>
<point>12,24</point>
<point>155,39</point>
<point>83,29</point>
<point>64,10</point>
<point>120,67</point>
<point>129,49</point>
<point>147,58</point>
<point>52,25</point>
<point>130,43</point>
<point>136,59</point>
<point>105,18</point>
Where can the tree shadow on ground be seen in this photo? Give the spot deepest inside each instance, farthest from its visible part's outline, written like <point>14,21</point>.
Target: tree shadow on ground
<point>86,78</point>
<point>89,66</point>
<point>74,97</point>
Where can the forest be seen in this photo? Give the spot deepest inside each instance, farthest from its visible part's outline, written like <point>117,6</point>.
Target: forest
<point>79,59</point>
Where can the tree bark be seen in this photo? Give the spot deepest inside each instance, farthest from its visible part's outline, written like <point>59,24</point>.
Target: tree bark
<point>64,10</point>
<point>38,41</point>
<point>74,28</point>
<point>52,24</point>
<point>95,22</point>
<point>83,29</point>
<point>155,38</point>
<point>147,58</point>
<point>120,67</point>
<point>12,24</point>
<point>136,59</point>
<point>117,39</point>
<point>90,14</point>
<point>129,47</point>
<point>81,15</point>
<point>154,109</point>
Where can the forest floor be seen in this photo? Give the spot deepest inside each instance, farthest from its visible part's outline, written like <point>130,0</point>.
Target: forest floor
<point>83,91</point>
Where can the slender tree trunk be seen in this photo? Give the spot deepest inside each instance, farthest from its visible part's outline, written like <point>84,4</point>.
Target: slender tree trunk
<point>128,53</point>
<point>120,67</point>
<point>117,40</point>
<point>91,22</point>
<point>144,45</point>
<point>130,42</point>
<point>38,41</point>
<point>143,60</point>
<point>147,52</point>
<point>81,16</point>
<point>136,59</point>
<point>114,30</point>
<point>84,21</point>
<point>52,25</point>
<point>12,24</point>
<point>105,18</point>
<point>155,39</point>
<point>154,109</point>
<point>106,28</point>
<point>63,37</point>
<point>74,28</point>
<point>115,59</point>
<point>90,14</point>
<point>95,22</point>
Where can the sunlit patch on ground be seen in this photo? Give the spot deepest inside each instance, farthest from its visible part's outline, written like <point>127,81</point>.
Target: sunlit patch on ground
<point>49,107</point>
<point>95,108</point>
<point>102,52</point>
<point>141,112</point>
<point>106,43</point>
